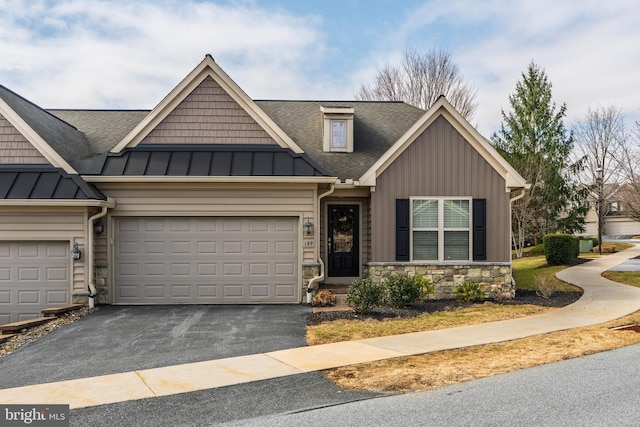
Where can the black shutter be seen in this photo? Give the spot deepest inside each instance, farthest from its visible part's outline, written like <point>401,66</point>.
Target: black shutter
<point>402,229</point>
<point>479,229</point>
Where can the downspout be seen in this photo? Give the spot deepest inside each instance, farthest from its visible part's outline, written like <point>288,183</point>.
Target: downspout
<point>511,200</point>
<point>313,282</point>
<point>90,249</point>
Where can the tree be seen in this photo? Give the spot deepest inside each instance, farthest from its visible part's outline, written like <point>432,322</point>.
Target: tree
<point>601,141</point>
<point>419,80</point>
<point>630,159</point>
<point>532,137</point>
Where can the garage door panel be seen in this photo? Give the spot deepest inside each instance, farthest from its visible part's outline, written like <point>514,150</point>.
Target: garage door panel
<point>219,260</point>
<point>33,275</point>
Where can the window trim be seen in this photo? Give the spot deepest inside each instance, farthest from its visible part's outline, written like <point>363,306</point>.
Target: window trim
<point>441,228</point>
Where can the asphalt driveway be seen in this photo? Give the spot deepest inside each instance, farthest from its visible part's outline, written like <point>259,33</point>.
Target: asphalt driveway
<point>126,338</point>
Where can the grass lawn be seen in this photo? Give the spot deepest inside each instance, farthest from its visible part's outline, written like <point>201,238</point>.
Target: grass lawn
<point>437,369</point>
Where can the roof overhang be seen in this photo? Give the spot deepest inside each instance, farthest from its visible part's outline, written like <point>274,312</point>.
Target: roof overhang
<point>212,179</point>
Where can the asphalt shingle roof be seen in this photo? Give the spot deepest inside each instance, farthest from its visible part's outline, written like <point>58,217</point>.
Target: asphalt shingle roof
<point>377,126</point>
<point>65,139</point>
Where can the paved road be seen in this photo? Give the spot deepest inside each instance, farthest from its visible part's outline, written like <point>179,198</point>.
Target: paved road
<point>597,390</point>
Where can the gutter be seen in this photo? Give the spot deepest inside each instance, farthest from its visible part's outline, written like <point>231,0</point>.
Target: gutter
<point>314,281</point>
<point>93,292</point>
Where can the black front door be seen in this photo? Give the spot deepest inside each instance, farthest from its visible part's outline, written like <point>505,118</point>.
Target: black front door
<point>343,250</point>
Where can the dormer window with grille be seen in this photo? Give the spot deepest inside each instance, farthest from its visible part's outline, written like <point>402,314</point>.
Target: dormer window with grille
<point>337,129</point>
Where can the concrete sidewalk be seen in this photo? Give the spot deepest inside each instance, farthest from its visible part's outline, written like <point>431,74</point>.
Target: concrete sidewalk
<point>603,300</point>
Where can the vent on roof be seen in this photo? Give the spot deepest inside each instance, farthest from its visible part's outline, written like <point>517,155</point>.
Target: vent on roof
<point>337,130</point>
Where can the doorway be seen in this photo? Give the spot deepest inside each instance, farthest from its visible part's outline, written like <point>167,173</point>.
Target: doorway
<point>343,240</point>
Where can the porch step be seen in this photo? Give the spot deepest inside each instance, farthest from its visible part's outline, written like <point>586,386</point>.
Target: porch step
<point>340,292</point>
<point>55,311</point>
<point>24,324</point>
<point>6,337</point>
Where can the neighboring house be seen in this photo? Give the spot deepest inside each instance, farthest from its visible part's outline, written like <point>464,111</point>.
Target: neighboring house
<point>618,219</point>
<point>213,198</point>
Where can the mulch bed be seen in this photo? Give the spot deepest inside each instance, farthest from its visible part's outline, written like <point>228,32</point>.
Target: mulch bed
<point>559,299</point>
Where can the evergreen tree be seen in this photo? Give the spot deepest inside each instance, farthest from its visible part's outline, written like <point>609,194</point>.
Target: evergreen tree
<point>532,137</point>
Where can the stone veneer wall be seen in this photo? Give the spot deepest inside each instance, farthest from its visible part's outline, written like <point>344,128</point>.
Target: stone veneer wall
<point>494,278</point>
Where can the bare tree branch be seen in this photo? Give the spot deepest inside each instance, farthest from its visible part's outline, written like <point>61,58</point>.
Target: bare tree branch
<point>420,79</point>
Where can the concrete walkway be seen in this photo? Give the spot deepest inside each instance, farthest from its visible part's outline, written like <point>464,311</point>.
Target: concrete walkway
<point>603,300</point>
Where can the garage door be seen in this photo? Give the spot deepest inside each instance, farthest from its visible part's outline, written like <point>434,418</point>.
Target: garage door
<point>33,276</point>
<point>206,260</point>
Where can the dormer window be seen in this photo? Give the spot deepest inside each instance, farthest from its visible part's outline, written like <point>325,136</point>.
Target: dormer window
<point>338,133</point>
<point>337,129</point>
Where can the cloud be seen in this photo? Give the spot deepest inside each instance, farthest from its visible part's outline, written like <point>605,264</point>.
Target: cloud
<point>588,49</point>
<point>87,53</point>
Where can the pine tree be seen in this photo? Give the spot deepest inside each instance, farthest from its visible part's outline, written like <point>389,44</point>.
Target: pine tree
<point>532,137</point>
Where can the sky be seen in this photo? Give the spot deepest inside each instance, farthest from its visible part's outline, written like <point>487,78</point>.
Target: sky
<point>124,54</point>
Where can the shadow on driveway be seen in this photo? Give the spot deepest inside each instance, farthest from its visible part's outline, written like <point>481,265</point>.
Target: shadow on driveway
<point>127,338</point>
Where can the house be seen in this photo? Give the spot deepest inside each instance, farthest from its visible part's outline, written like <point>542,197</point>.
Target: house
<point>214,198</point>
<point>620,209</point>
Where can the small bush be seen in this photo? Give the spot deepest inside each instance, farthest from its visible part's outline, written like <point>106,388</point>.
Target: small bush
<point>560,249</point>
<point>606,249</point>
<point>469,292</point>
<point>324,298</point>
<point>595,241</point>
<point>545,286</point>
<point>402,289</point>
<point>537,250</point>
<point>363,295</point>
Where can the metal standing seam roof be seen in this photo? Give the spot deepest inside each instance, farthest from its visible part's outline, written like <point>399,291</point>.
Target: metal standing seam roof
<point>202,160</point>
<point>44,182</point>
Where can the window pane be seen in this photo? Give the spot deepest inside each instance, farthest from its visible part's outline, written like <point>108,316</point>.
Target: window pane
<point>425,214</point>
<point>425,245</point>
<point>338,133</point>
<point>456,213</point>
<point>456,245</point>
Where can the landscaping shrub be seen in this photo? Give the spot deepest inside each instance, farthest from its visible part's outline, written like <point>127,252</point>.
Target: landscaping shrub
<point>363,295</point>
<point>402,289</point>
<point>469,292</point>
<point>324,298</point>
<point>545,286</point>
<point>560,249</point>
<point>595,241</point>
<point>537,250</point>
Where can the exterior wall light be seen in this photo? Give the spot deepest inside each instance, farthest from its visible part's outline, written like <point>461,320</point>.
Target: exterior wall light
<point>308,227</point>
<point>76,252</point>
<point>98,227</point>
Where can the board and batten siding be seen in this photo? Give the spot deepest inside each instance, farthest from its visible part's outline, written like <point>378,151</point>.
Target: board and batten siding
<point>208,116</point>
<point>440,163</point>
<point>49,224</point>
<point>182,199</point>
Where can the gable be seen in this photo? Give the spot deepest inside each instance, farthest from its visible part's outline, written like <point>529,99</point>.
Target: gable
<point>440,162</point>
<point>442,109</point>
<point>15,148</point>
<point>208,115</point>
<point>213,109</point>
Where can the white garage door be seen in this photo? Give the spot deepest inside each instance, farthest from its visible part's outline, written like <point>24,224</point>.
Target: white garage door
<point>206,260</point>
<point>33,276</point>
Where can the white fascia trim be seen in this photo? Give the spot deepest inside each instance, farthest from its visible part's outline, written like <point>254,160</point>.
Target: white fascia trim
<point>36,140</point>
<point>206,68</point>
<point>212,179</point>
<point>58,203</point>
<point>444,108</point>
